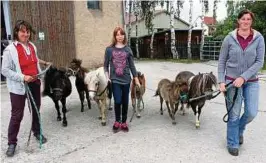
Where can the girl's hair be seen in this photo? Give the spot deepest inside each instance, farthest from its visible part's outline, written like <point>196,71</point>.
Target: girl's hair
<point>122,32</point>
<point>19,25</point>
<point>244,12</point>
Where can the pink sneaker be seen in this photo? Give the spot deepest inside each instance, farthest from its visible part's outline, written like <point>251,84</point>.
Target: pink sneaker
<point>116,126</point>
<point>124,127</point>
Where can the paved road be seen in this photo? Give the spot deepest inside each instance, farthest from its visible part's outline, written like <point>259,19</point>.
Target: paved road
<point>151,139</point>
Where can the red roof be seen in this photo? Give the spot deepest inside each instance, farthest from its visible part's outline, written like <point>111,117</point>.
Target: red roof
<point>209,20</point>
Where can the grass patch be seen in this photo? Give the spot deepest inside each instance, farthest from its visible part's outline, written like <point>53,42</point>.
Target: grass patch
<point>264,66</point>
<point>170,60</point>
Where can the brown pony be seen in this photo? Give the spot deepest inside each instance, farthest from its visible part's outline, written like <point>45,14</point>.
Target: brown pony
<point>169,91</point>
<point>137,94</point>
<point>184,76</point>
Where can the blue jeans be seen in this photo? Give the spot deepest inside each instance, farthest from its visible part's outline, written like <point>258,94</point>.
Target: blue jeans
<point>121,97</point>
<point>249,93</point>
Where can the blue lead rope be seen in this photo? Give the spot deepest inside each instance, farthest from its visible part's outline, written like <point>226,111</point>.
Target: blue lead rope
<point>30,98</point>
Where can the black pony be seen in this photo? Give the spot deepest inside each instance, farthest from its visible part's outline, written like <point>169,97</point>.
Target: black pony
<point>78,71</point>
<point>58,87</point>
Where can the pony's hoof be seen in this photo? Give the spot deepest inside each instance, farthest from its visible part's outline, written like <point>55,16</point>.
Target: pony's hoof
<point>59,118</point>
<point>174,122</point>
<point>197,126</point>
<point>65,123</point>
<point>100,118</point>
<point>103,123</point>
<point>110,108</point>
<point>161,113</point>
<point>82,110</point>
<point>138,115</point>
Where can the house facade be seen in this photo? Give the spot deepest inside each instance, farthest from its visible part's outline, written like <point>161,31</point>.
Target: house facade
<point>67,29</point>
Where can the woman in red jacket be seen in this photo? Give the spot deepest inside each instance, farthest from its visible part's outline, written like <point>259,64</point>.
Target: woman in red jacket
<point>21,65</point>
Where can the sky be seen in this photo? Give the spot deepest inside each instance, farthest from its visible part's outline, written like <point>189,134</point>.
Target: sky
<point>221,10</point>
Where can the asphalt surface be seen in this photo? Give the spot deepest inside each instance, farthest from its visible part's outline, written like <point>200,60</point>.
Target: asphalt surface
<point>150,139</point>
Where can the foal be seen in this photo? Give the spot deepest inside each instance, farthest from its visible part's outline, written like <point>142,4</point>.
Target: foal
<point>79,72</point>
<point>137,94</point>
<point>184,76</point>
<point>169,91</point>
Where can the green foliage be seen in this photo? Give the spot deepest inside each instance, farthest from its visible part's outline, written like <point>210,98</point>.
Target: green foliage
<point>233,8</point>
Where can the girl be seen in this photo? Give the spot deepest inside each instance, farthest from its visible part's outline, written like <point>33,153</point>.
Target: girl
<point>120,58</point>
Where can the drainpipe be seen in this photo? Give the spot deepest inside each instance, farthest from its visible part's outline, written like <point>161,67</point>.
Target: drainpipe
<point>7,17</point>
<point>123,15</point>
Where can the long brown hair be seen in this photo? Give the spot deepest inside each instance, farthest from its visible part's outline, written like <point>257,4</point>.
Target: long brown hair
<point>122,32</point>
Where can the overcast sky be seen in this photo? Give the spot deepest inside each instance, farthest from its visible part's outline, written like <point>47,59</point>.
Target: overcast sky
<point>221,10</point>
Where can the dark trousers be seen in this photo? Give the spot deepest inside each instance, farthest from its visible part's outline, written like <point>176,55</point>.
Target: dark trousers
<point>17,112</point>
<point>121,98</point>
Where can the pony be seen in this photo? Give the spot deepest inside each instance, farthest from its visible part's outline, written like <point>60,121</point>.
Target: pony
<point>169,91</point>
<point>75,69</point>
<point>184,76</point>
<point>137,93</point>
<point>201,84</point>
<point>58,87</point>
<point>99,90</point>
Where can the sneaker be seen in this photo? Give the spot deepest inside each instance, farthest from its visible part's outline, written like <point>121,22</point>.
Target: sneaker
<point>124,127</point>
<point>233,151</point>
<point>241,140</point>
<point>44,140</point>
<point>116,126</point>
<point>11,150</point>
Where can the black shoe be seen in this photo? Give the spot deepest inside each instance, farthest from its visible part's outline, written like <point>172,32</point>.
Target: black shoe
<point>233,151</point>
<point>241,140</point>
<point>44,140</point>
<point>11,150</point>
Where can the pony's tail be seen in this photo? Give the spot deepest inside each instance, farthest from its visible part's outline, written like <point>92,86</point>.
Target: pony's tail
<point>156,93</point>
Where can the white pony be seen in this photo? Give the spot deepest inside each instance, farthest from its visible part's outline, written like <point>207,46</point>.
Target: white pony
<point>99,91</point>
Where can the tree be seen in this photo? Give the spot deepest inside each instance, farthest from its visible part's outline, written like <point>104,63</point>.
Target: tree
<point>204,9</point>
<point>214,11</point>
<point>190,30</point>
<point>230,23</point>
<point>148,9</point>
<point>129,22</point>
<point>179,5</point>
<point>172,27</point>
<point>136,13</point>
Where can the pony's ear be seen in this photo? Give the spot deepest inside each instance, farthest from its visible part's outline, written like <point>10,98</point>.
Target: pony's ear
<point>211,72</point>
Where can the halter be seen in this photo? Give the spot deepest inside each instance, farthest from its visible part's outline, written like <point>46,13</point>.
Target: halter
<point>74,73</point>
<point>95,91</point>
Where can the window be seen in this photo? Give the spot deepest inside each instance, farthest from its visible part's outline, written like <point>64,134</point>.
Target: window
<point>93,4</point>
